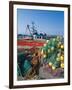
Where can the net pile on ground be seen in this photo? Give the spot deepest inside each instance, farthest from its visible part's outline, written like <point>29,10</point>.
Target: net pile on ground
<point>53,52</point>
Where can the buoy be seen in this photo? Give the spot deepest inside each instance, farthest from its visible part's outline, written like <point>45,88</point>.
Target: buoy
<point>50,63</point>
<point>58,55</point>
<point>58,59</point>
<point>52,48</point>
<point>62,46</point>
<point>62,65</point>
<point>44,56</point>
<point>53,68</point>
<point>54,39</point>
<point>44,45</point>
<point>48,50</point>
<point>47,41</point>
<point>61,58</point>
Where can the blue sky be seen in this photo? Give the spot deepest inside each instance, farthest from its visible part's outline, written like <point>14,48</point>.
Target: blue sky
<point>50,22</point>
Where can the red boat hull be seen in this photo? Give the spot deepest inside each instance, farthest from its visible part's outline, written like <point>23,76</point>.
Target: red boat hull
<point>29,43</point>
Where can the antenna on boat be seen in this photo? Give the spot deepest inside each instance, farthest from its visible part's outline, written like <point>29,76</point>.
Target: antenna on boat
<point>34,31</point>
<point>28,29</point>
